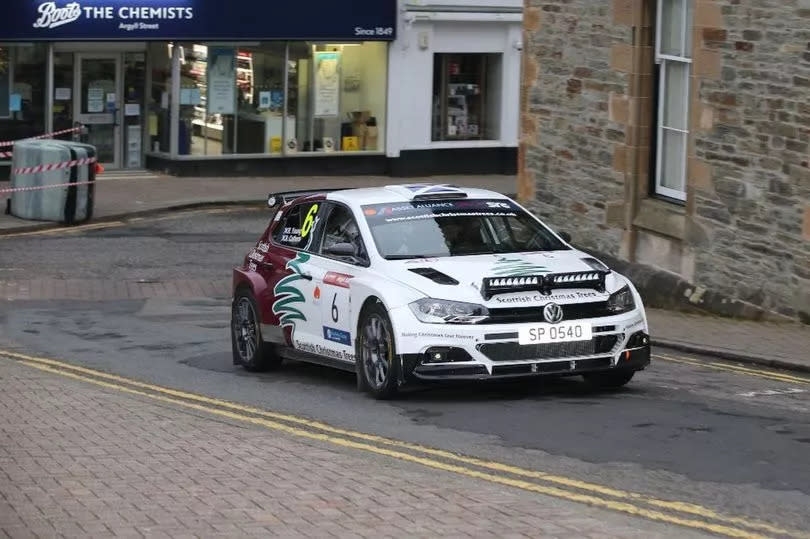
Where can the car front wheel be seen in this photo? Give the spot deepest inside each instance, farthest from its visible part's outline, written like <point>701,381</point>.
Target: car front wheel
<point>377,366</point>
<point>248,347</point>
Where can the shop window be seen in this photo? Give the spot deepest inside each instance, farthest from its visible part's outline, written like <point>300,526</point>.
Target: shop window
<point>673,52</point>
<point>466,97</point>
<point>158,114</point>
<point>22,82</point>
<point>134,83</point>
<point>62,90</point>
<point>337,96</point>
<point>233,100</point>
<point>5,81</point>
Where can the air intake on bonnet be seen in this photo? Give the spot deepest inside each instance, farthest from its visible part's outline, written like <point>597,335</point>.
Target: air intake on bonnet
<point>544,284</point>
<point>434,275</point>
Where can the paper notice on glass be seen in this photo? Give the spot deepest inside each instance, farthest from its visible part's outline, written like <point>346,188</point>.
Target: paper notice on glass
<point>95,100</point>
<point>185,96</point>
<point>62,94</point>
<point>153,125</point>
<point>132,109</point>
<point>221,81</point>
<point>327,83</point>
<point>264,99</point>
<point>15,103</point>
<point>164,100</point>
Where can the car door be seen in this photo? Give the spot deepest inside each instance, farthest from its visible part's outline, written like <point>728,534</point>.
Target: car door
<point>340,227</point>
<point>290,272</point>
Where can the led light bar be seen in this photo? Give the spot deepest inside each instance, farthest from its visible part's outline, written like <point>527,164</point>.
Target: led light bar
<point>544,284</point>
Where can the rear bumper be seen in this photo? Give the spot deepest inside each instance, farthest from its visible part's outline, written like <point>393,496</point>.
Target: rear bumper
<point>414,369</point>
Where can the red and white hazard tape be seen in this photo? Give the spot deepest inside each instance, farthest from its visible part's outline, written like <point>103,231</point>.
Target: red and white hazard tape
<point>46,135</point>
<point>41,187</point>
<point>5,154</point>
<point>54,166</point>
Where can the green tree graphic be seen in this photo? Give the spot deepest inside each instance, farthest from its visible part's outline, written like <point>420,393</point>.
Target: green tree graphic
<point>516,267</point>
<point>287,294</point>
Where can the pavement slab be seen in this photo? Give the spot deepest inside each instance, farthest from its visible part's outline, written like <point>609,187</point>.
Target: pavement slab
<point>81,460</point>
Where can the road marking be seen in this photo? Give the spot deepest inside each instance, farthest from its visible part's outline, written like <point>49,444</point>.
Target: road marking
<point>592,498</point>
<point>772,392</point>
<point>759,373</point>
<point>65,229</point>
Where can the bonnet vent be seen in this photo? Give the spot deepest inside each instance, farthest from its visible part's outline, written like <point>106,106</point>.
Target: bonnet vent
<point>434,275</point>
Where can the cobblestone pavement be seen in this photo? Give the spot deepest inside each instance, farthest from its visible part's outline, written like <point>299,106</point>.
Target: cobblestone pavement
<point>81,460</point>
<point>788,343</point>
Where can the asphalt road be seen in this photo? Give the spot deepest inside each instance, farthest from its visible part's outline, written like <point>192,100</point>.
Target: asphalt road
<point>733,442</point>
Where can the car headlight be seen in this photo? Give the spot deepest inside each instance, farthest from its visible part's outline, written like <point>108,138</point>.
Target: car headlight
<point>621,301</point>
<point>441,311</point>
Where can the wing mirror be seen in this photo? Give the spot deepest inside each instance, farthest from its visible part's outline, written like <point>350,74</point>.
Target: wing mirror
<point>565,236</point>
<point>341,249</point>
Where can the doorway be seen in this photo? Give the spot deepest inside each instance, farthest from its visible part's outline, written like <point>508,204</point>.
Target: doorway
<point>97,103</point>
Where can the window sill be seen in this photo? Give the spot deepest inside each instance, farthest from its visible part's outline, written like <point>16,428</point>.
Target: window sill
<point>661,217</point>
<point>442,144</point>
<point>235,156</point>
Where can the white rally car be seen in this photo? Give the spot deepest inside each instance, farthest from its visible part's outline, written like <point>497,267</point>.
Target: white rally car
<point>430,282</point>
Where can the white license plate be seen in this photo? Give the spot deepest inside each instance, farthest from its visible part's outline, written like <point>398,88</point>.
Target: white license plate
<point>550,333</point>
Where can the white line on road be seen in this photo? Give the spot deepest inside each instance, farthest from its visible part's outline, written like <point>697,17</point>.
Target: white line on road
<point>772,392</point>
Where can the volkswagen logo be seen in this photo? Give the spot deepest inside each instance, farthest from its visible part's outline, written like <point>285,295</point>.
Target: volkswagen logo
<point>553,313</point>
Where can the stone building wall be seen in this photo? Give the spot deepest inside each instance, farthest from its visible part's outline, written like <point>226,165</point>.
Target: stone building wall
<point>751,208</point>
<point>567,133</point>
<point>588,119</point>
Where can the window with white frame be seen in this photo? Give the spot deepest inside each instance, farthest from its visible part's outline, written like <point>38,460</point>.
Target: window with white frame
<point>673,58</point>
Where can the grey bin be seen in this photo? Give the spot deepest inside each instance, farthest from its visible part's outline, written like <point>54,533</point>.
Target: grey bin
<point>68,204</point>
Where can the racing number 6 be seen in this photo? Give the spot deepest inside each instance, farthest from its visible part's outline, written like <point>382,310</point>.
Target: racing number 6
<point>309,221</point>
<point>334,310</point>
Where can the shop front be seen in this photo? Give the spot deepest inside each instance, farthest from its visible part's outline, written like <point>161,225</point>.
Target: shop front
<point>203,86</point>
<point>455,74</point>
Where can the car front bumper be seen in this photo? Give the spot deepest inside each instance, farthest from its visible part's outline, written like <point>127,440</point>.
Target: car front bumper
<point>492,351</point>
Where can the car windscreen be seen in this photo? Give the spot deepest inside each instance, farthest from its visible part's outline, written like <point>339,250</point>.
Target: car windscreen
<point>440,228</point>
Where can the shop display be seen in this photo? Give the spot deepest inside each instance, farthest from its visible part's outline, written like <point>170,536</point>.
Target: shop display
<point>459,96</point>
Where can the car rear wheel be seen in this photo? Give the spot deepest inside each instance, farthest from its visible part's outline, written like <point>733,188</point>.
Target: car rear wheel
<point>610,379</point>
<point>377,367</point>
<point>248,347</point>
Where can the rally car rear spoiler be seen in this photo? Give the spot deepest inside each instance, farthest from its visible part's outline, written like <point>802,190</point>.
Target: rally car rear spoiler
<point>276,199</point>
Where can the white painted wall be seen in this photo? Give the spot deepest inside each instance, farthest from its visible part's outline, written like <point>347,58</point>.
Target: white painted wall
<point>410,68</point>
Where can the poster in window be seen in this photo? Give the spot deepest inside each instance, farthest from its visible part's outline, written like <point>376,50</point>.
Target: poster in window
<point>221,81</point>
<point>327,83</point>
<point>95,99</point>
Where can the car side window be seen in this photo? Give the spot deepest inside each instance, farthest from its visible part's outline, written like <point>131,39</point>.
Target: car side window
<point>341,227</point>
<point>297,228</point>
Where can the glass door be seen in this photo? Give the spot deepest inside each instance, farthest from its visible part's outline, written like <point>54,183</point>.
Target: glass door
<point>98,104</point>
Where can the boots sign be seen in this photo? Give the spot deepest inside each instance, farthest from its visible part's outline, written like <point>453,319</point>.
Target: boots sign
<point>62,20</point>
<point>51,16</point>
